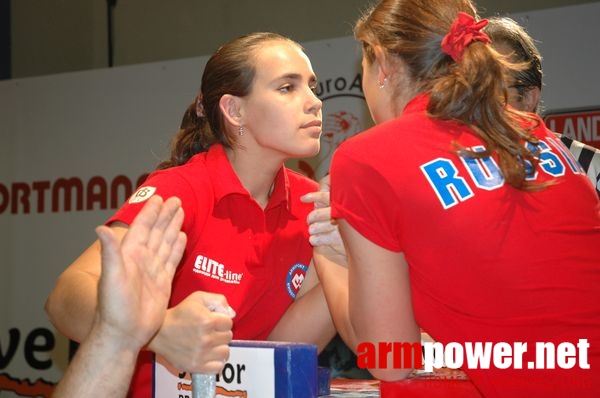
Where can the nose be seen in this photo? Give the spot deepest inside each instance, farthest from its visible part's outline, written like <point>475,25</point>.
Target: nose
<point>314,103</point>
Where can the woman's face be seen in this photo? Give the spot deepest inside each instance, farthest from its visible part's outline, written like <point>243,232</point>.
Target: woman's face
<point>282,113</point>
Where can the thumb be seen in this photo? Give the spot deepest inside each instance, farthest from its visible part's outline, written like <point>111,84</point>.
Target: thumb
<point>109,246</point>
<point>218,303</point>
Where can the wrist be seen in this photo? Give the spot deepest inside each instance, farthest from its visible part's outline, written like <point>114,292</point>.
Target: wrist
<point>113,339</point>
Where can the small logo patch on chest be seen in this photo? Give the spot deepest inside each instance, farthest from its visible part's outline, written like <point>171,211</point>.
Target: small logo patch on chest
<point>295,278</point>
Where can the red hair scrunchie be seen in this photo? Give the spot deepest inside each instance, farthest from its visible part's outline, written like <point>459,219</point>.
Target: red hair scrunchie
<point>464,31</point>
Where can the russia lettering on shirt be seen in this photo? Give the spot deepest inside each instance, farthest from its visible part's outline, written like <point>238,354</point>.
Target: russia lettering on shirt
<point>484,173</point>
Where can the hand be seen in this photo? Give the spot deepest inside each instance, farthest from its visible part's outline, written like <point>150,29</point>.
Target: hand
<point>324,232</point>
<point>196,333</point>
<point>135,283</point>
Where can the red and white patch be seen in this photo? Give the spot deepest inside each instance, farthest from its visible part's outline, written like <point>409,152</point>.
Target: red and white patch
<point>295,278</point>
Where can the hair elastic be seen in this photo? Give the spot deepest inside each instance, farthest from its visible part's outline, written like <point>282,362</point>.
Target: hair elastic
<point>464,31</point>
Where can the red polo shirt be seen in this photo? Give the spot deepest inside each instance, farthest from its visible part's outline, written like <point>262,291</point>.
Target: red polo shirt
<point>256,258</point>
<point>487,262</point>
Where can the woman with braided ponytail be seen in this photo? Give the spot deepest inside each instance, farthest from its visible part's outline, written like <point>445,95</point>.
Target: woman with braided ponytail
<point>452,209</point>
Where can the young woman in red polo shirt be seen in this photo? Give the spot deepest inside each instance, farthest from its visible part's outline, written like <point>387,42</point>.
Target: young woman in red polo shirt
<point>461,215</point>
<point>247,237</point>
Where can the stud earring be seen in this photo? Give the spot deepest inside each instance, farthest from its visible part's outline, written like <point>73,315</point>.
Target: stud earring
<point>241,130</point>
<point>382,84</point>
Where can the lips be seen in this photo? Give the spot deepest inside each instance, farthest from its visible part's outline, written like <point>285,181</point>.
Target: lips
<point>314,128</point>
<point>314,123</point>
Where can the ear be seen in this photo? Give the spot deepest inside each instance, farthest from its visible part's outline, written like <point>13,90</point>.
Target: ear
<point>230,106</point>
<point>531,99</point>
<point>382,59</point>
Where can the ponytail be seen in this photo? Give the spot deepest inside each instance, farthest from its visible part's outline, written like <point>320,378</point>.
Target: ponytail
<point>463,75</point>
<point>194,136</point>
<point>473,92</point>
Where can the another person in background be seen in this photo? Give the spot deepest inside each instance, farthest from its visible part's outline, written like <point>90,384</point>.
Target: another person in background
<point>133,293</point>
<point>525,86</point>
<point>246,230</point>
<point>452,209</point>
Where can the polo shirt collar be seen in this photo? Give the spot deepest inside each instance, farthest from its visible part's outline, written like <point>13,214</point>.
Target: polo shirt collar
<point>226,182</point>
<point>418,103</point>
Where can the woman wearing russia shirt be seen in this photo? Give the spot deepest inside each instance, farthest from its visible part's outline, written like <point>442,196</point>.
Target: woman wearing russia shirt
<point>461,215</point>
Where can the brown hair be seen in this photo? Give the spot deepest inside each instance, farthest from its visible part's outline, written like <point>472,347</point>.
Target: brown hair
<point>472,91</point>
<point>504,30</point>
<point>230,70</point>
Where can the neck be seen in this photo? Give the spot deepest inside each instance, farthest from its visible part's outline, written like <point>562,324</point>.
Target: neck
<point>256,173</point>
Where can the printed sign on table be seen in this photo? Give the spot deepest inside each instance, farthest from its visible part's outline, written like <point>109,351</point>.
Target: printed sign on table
<point>248,373</point>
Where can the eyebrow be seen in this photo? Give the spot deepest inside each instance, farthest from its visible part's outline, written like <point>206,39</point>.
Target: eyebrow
<point>296,76</point>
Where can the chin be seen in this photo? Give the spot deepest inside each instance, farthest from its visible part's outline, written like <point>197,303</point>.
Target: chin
<point>315,149</point>
<point>308,152</point>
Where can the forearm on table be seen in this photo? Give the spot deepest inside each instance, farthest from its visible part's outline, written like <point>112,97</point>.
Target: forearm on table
<point>307,320</point>
<point>334,281</point>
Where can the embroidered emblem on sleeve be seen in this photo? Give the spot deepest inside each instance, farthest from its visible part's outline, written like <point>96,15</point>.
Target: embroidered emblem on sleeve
<point>142,194</point>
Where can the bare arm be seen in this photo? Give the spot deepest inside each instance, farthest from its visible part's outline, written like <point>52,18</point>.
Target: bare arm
<point>193,335</point>
<point>329,255</point>
<point>307,319</point>
<point>71,306</point>
<point>379,303</point>
<point>133,293</point>
<point>379,306</point>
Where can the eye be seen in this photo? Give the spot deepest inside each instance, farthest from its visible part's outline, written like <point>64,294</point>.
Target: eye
<point>286,88</point>
<point>313,88</point>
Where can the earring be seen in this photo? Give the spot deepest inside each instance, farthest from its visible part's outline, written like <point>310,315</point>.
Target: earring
<point>241,130</point>
<point>382,84</point>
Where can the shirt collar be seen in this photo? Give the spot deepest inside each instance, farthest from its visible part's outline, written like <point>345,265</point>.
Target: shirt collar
<point>417,104</point>
<point>226,182</point>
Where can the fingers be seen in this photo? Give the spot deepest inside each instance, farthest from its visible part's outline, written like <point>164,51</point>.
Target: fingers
<point>325,184</point>
<point>171,241</point>
<point>217,303</point>
<point>320,198</point>
<point>210,353</point>
<point>176,253</point>
<point>141,228</point>
<point>320,215</point>
<point>324,234</point>
<point>157,228</point>
<point>216,345</point>
<point>212,361</point>
<point>321,228</point>
<point>109,247</point>
<point>166,226</point>
<point>328,239</point>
